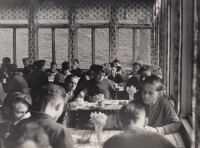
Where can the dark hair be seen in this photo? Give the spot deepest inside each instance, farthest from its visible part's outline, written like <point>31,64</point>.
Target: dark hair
<point>53,63</point>
<point>30,131</point>
<point>69,77</point>
<point>119,68</point>
<point>116,61</point>
<point>99,68</point>
<point>16,97</point>
<point>12,68</point>
<point>154,80</point>
<point>76,60</point>
<point>112,64</point>
<point>136,63</point>
<point>130,111</point>
<point>25,59</point>
<point>145,68</point>
<point>47,94</point>
<point>65,65</point>
<point>6,60</point>
<point>40,64</point>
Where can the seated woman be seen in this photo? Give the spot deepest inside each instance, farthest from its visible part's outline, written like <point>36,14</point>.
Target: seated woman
<point>14,109</point>
<point>53,69</point>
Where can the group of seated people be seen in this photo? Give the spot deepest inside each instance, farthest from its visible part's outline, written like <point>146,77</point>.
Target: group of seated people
<point>34,111</point>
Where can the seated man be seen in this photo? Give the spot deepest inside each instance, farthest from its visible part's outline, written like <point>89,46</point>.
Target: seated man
<point>46,109</point>
<point>116,77</point>
<point>53,69</point>
<point>136,68</point>
<point>99,85</point>
<point>38,77</point>
<point>117,63</point>
<point>64,72</point>
<point>134,135</point>
<point>162,117</point>
<point>3,70</point>
<point>75,68</point>
<point>16,82</point>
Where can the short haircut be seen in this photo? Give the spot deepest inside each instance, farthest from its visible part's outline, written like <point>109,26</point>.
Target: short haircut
<point>154,80</point>
<point>136,63</point>
<point>145,68</point>
<point>116,61</point>
<point>156,71</point>
<point>40,64</point>
<point>47,94</point>
<point>30,131</point>
<point>6,60</point>
<point>99,68</point>
<point>69,77</point>
<point>25,59</point>
<point>53,63</point>
<point>65,65</point>
<point>119,68</point>
<point>15,98</point>
<point>112,64</point>
<point>131,111</point>
<point>12,68</point>
<point>76,60</point>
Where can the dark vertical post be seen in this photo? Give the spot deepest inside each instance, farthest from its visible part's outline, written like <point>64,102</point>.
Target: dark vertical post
<point>53,45</point>
<point>93,45</point>
<point>14,47</point>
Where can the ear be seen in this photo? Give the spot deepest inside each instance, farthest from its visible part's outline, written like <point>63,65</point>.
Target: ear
<point>57,107</point>
<point>160,94</point>
<point>146,122</point>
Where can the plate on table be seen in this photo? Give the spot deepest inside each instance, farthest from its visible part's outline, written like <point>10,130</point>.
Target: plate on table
<point>123,102</point>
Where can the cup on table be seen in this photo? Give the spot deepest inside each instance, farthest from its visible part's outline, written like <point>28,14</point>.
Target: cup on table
<point>100,103</point>
<point>4,81</point>
<point>100,96</point>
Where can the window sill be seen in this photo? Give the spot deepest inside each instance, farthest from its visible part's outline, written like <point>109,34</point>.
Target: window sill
<point>187,132</point>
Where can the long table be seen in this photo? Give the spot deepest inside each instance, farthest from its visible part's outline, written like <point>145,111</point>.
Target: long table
<point>88,138</point>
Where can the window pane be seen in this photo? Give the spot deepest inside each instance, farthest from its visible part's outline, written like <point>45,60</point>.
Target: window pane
<point>101,46</point>
<point>61,43</point>
<point>45,45</point>
<point>143,45</point>
<point>6,44</point>
<point>125,52</point>
<point>22,46</point>
<point>84,48</point>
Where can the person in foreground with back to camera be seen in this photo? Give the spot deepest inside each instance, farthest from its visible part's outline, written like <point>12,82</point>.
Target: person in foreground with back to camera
<point>46,109</point>
<point>30,135</point>
<point>162,117</point>
<point>134,121</point>
<point>99,85</point>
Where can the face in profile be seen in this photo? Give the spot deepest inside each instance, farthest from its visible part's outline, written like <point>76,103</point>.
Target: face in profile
<point>19,110</point>
<point>149,93</point>
<point>59,107</point>
<point>53,67</point>
<point>136,68</point>
<point>71,84</point>
<point>26,62</point>
<point>99,76</point>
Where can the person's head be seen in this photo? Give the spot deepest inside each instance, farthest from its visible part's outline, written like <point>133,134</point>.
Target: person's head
<point>30,135</point>
<point>50,100</point>
<point>17,105</point>
<point>92,71</point>
<point>116,62</point>
<point>113,68</point>
<point>12,68</point>
<point>107,69</point>
<point>66,66</point>
<point>133,115</point>
<point>53,65</point>
<point>136,67</point>
<point>71,82</point>
<point>157,71</point>
<point>152,89</point>
<point>6,60</point>
<point>25,61</point>
<point>100,73</point>
<point>145,71</point>
<point>75,62</point>
<point>41,65</point>
<point>34,66</point>
<point>119,69</point>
